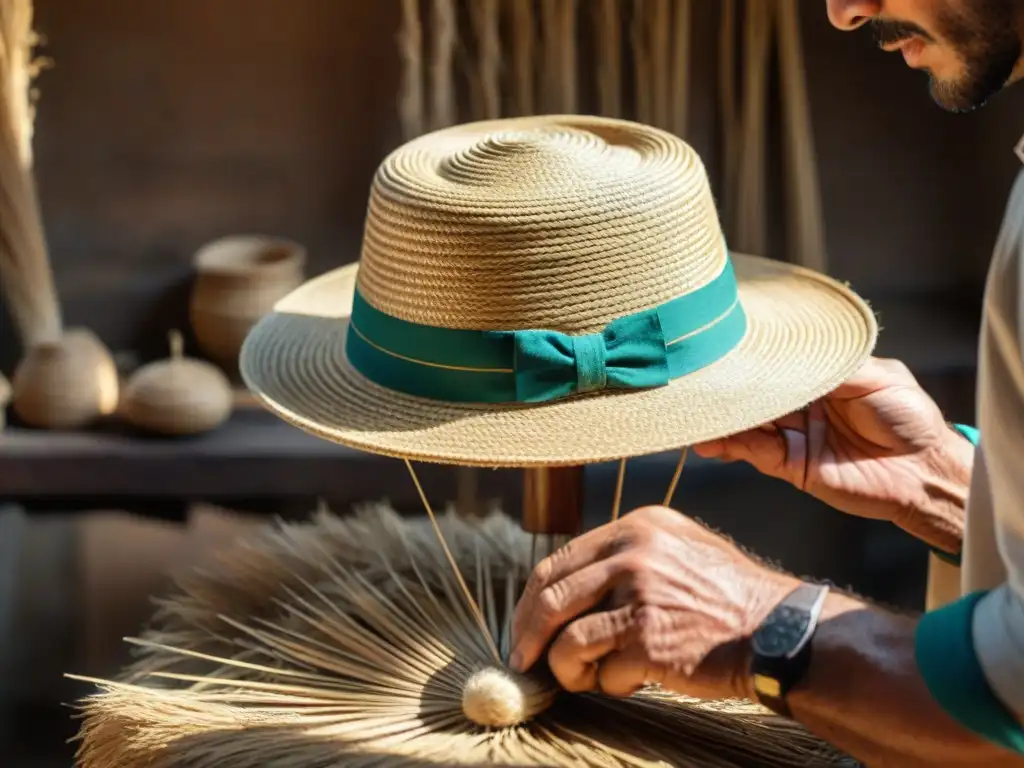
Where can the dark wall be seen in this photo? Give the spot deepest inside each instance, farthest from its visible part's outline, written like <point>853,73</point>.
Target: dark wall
<point>170,122</point>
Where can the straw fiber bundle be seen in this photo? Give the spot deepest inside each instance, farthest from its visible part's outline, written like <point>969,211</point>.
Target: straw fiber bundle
<point>614,58</point>
<point>764,27</point>
<point>27,281</point>
<point>350,642</point>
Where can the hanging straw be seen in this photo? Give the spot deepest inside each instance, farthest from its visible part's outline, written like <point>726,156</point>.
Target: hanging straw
<point>411,96</point>
<point>679,95</point>
<point>485,18</point>
<point>523,52</point>
<point>806,230</point>
<point>608,35</point>
<point>28,284</point>
<point>558,33</point>
<point>444,25</point>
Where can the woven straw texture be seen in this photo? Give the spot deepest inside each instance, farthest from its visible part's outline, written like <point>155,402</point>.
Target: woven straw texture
<point>345,643</point>
<point>557,222</point>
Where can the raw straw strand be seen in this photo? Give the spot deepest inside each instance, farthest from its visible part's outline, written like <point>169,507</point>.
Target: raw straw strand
<point>361,654</point>
<point>675,478</point>
<point>451,560</point>
<point>619,483</point>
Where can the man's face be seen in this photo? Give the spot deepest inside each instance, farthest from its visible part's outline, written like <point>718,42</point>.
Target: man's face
<point>970,49</point>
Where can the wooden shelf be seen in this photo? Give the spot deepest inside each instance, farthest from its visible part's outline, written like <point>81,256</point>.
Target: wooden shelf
<point>254,455</point>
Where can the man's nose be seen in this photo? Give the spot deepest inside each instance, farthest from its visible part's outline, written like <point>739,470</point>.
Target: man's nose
<point>847,15</point>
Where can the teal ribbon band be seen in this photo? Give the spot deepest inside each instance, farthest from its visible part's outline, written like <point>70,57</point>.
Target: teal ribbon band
<point>643,350</point>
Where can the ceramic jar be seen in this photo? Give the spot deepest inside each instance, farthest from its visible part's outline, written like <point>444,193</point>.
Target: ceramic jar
<point>66,384</point>
<point>239,279</point>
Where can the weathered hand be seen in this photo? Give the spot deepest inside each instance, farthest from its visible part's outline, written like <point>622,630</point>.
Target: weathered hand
<point>651,598</point>
<point>876,447</point>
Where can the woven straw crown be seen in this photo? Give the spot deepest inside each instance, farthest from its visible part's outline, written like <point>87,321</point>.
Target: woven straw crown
<point>545,291</point>
<point>562,223</point>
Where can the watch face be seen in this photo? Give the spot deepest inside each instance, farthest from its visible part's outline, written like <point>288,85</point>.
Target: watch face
<point>782,632</point>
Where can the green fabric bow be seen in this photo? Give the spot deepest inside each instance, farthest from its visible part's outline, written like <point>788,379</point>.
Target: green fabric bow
<point>629,354</point>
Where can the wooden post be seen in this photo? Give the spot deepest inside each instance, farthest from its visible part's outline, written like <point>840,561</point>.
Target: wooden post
<point>553,500</point>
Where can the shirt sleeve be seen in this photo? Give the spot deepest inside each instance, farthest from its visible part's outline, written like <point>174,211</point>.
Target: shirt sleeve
<point>971,652</point>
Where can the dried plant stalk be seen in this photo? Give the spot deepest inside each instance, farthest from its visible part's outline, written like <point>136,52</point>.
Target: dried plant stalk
<point>347,642</point>
<point>411,103</point>
<point>659,29</point>
<point>523,52</point>
<point>608,33</point>
<point>27,284</point>
<point>728,112</point>
<point>444,24</point>
<point>747,211</point>
<point>485,18</point>
<point>558,30</point>
<point>806,231</point>
<point>679,79</point>
<point>643,71</point>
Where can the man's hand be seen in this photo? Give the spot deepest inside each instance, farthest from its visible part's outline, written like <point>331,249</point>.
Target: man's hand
<point>651,598</point>
<point>657,598</point>
<point>876,447</point>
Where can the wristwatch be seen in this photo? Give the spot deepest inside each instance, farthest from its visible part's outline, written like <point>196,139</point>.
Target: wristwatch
<point>781,645</point>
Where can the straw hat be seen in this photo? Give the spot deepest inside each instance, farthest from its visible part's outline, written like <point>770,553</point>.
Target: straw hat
<point>547,291</point>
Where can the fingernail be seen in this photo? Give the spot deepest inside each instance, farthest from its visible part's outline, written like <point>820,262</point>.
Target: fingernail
<point>516,661</point>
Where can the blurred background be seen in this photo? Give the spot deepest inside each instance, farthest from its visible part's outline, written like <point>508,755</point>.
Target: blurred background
<point>166,125</point>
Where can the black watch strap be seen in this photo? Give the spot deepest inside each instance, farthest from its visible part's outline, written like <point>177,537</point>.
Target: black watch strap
<point>781,645</point>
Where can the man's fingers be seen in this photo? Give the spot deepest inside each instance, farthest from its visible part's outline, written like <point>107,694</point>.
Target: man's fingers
<point>623,673</point>
<point>876,374</point>
<point>763,448</point>
<point>542,613</point>
<point>574,555</point>
<point>575,655</point>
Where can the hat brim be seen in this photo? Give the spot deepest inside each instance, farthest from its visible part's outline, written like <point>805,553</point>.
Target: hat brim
<point>806,335</point>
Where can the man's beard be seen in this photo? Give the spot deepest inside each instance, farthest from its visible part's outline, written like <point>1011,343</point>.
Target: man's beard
<point>986,39</point>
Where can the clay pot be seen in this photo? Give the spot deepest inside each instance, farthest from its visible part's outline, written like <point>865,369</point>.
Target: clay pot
<point>177,396</point>
<point>238,281</point>
<point>66,384</point>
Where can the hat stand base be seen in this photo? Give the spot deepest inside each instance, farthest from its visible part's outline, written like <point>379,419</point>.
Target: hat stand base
<point>552,505</point>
